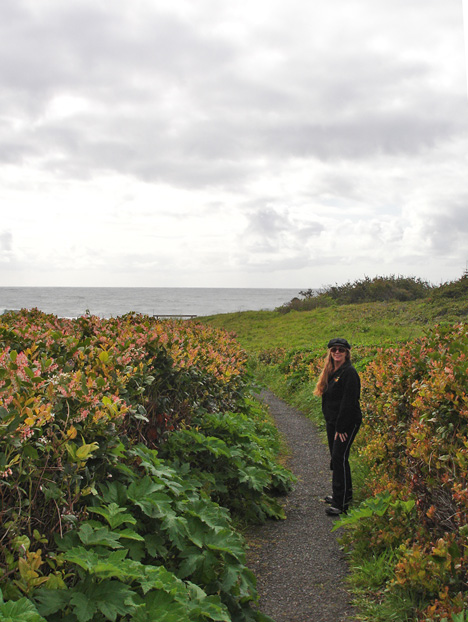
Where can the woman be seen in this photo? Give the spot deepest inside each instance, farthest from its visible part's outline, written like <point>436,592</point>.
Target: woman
<point>340,388</point>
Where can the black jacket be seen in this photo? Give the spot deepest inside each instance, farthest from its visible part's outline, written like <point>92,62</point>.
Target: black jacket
<point>340,400</point>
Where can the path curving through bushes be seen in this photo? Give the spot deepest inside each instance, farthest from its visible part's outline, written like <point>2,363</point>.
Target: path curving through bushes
<point>300,569</point>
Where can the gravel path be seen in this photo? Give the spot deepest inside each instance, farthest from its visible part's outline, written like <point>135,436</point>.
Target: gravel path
<point>299,567</point>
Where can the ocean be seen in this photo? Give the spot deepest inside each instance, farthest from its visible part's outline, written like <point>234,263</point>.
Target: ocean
<point>114,301</point>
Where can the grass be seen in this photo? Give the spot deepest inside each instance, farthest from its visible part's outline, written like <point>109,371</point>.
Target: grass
<point>368,324</point>
<point>369,577</point>
<point>382,607</point>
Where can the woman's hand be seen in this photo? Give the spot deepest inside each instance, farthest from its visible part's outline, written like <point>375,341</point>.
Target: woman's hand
<point>342,436</point>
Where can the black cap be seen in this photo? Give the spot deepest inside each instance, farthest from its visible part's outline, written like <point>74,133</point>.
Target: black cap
<point>338,342</point>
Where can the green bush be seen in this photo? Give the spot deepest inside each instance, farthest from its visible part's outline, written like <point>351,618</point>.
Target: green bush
<point>452,290</point>
<point>234,456</point>
<point>153,547</point>
<point>378,289</point>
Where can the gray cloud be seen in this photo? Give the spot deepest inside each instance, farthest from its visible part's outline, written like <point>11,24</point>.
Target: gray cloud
<point>446,230</point>
<point>6,241</point>
<point>295,118</point>
<point>168,101</point>
<point>272,231</point>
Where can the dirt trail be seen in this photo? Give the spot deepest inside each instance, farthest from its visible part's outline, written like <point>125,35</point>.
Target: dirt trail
<point>299,566</point>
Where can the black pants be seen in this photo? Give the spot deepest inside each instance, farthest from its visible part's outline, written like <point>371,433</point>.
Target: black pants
<point>342,485</point>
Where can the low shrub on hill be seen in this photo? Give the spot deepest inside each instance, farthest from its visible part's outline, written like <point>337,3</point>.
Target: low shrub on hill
<point>452,290</point>
<point>379,289</point>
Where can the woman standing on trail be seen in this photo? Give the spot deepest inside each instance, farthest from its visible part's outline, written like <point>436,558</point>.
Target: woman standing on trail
<point>340,388</point>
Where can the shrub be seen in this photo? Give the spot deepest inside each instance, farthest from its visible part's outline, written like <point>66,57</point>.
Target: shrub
<point>234,457</point>
<point>378,289</point>
<point>414,444</point>
<point>94,525</point>
<point>452,290</point>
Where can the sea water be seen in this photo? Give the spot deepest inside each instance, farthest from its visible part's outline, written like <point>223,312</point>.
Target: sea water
<point>114,301</point>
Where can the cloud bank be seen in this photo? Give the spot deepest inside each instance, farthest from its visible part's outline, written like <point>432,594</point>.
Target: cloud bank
<point>231,144</point>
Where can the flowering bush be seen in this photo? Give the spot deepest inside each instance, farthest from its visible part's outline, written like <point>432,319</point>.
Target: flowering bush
<point>414,442</point>
<point>69,388</point>
<point>78,401</point>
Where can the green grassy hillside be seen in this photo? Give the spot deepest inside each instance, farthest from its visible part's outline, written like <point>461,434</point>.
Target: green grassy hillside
<point>368,324</point>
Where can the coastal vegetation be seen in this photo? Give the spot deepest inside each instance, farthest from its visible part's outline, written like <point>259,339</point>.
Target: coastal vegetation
<point>378,289</point>
<point>132,454</point>
<point>406,535</point>
<point>130,450</point>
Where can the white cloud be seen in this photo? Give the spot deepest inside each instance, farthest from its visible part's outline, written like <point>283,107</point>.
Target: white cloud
<point>251,143</point>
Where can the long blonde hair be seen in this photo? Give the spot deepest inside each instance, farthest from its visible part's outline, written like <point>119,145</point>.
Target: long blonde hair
<point>328,369</point>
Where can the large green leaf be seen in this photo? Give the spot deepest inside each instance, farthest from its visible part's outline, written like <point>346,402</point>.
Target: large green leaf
<point>193,561</point>
<point>115,492</point>
<point>158,577</point>
<point>196,530</point>
<point>226,541</point>
<point>211,609</point>
<point>215,445</point>
<point>142,488</point>
<point>176,528</point>
<point>22,610</point>
<point>98,536</point>
<point>111,598</point>
<point>84,607</point>
<point>211,514</point>
<point>230,577</point>
<point>155,545</point>
<point>147,496</point>
<point>82,557</point>
<point>115,566</point>
<point>51,601</point>
<point>167,476</point>
<point>161,607</point>
<point>105,565</point>
<point>130,534</point>
<point>255,478</point>
<point>114,515</point>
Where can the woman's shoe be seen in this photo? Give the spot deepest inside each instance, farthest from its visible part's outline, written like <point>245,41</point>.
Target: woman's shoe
<point>332,511</point>
<point>329,499</point>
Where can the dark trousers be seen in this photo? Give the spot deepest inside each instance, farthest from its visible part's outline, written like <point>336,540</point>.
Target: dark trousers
<point>342,485</point>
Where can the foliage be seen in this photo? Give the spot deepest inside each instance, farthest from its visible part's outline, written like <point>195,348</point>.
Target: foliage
<point>411,454</point>
<point>84,404</point>
<point>414,443</point>
<point>21,610</point>
<point>367,324</point>
<point>69,389</point>
<point>453,289</point>
<point>234,457</point>
<point>378,289</point>
<point>153,547</point>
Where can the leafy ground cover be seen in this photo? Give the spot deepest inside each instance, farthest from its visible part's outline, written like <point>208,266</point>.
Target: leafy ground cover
<point>407,535</point>
<point>113,436</point>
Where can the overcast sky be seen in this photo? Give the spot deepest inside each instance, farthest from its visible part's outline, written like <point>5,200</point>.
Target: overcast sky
<point>240,143</point>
